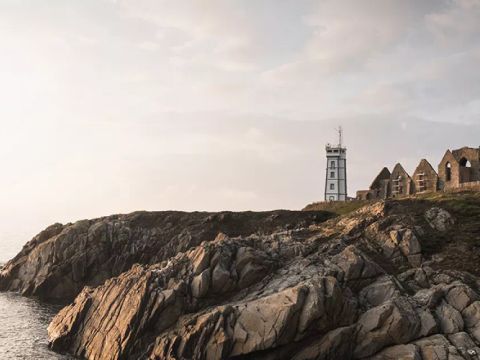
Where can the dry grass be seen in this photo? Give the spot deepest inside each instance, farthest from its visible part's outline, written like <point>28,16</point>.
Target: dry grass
<point>337,207</point>
<point>459,247</point>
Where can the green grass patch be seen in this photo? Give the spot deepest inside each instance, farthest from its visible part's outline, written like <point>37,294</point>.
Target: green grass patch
<point>337,207</point>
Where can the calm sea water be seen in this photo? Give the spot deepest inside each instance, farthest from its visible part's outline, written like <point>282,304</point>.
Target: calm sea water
<point>23,321</point>
<point>23,329</point>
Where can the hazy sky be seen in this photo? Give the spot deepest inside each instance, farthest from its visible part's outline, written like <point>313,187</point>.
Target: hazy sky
<point>114,106</point>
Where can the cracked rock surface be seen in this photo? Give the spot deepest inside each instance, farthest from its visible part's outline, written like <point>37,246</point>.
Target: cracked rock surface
<point>357,287</point>
<point>57,263</point>
<point>379,283</point>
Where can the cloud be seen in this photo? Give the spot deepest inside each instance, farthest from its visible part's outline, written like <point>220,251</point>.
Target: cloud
<point>456,25</point>
<point>385,56</point>
<point>110,106</point>
<point>215,31</point>
<point>348,33</point>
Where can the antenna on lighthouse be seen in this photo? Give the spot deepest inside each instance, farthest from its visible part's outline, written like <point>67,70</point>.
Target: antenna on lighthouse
<point>340,136</point>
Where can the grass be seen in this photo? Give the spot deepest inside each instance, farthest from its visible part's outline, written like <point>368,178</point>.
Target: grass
<point>337,207</point>
<point>461,204</point>
<point>465,206</point>
<point>459,246</point>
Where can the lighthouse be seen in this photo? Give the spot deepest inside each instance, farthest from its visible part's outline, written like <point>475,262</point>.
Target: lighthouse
<point>336,171</point>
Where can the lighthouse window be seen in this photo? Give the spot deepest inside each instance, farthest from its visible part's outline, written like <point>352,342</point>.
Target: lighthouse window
<point>332,186</point>
<point>332,174</point>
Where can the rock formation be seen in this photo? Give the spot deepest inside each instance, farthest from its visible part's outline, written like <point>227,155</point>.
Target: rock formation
<point>392,280</point>
<point>357,287</point>
<point>57,263</point>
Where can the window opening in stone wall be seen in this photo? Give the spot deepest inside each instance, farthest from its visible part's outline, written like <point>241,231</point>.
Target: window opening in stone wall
<point>465,163</point>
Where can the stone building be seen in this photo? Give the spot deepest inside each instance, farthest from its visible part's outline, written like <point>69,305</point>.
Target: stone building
<point>459,169</point>
<point>400,182</point>
<point>379,189</point>
<point>425,178</point>
<point>386,185</point>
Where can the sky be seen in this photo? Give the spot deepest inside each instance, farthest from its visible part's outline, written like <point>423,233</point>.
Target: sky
<point>114,106</point>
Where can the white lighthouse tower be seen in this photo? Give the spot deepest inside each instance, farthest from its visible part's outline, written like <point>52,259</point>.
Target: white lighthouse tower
<point>336,175</point>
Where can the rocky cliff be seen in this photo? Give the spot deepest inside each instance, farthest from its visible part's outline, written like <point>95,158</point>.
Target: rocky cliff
<point>391,280</point>
<point>395,280</point>
<point>57,263</point>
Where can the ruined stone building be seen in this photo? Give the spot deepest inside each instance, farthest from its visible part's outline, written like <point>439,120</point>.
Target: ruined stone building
<point>400,182</point>
<point>379,189</point>
<point>459,169</point>
<point>425,178</point>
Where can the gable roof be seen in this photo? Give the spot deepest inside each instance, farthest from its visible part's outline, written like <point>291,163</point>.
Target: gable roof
<point>399,168</point>
<point>384,174</point>
<point>425,163</point>
<point>448,154</point>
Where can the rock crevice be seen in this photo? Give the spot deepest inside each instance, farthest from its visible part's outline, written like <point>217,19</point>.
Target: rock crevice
<point>369,285</point>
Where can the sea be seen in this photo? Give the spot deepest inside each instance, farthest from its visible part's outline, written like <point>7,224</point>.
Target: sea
<point>24,321</point>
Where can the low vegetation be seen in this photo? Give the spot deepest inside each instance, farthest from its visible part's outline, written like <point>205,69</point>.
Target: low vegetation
<point>456,249</point>
<point>337,207</point>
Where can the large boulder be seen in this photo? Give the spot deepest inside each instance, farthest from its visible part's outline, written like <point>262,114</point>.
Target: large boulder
<point>439,219</point>
<point>395,322</point>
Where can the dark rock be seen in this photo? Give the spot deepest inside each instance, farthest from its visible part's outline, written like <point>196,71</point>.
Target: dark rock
<point>62,259</point>
<point>243,287</point>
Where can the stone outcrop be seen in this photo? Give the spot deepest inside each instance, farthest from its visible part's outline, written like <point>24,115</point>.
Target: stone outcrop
<point>357,287</point>
<point>439,219</point>
<point>373,284</point>
<point>57,263</point>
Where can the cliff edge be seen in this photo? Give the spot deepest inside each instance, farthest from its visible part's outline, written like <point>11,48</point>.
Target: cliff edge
<point>57,263</point>
<point>392,280</point>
